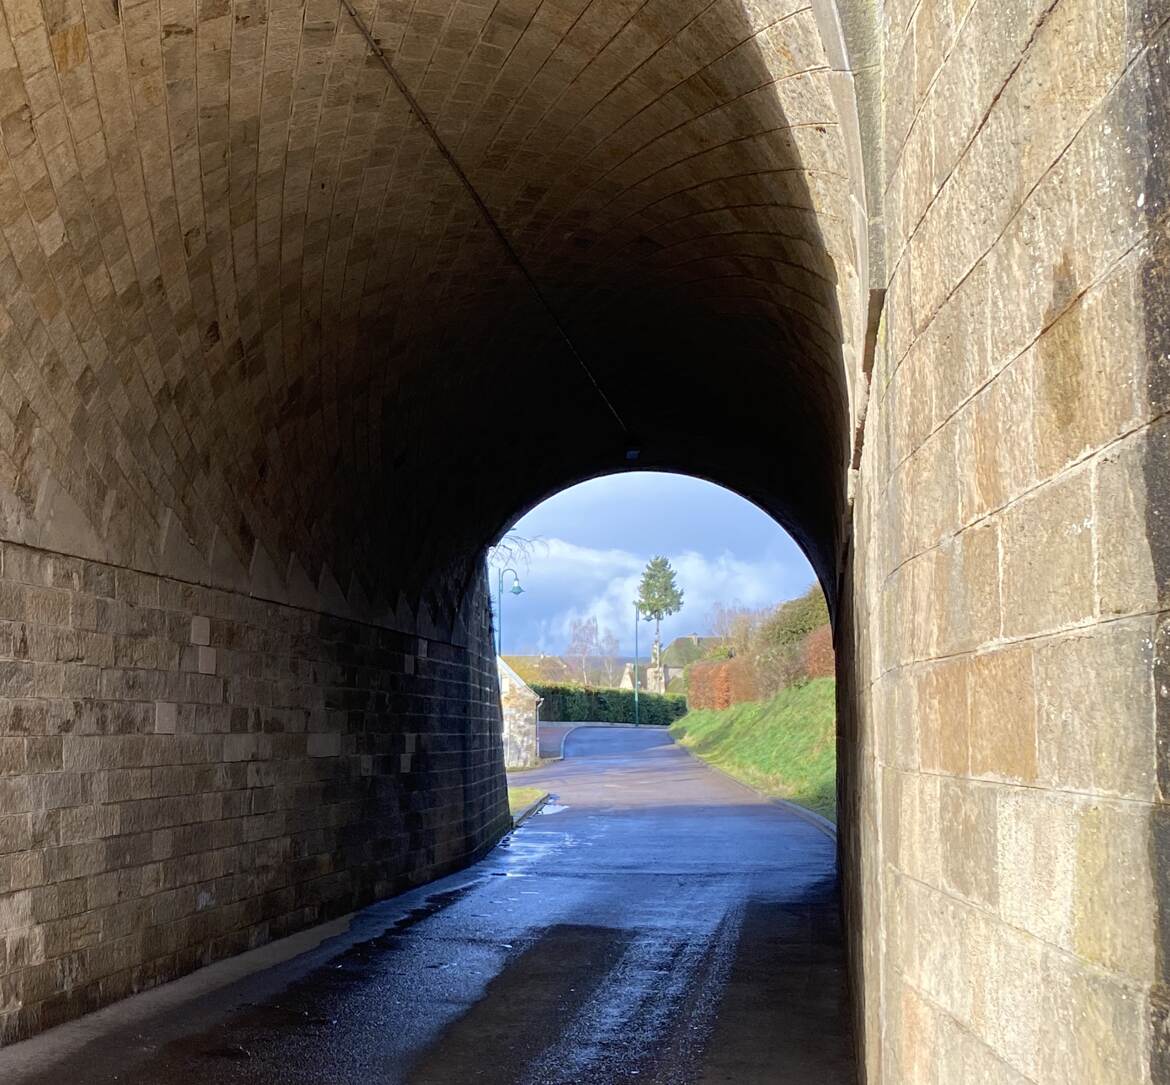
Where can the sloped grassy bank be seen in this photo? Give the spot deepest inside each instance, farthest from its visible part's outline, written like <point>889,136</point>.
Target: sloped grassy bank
<point>786,746</point>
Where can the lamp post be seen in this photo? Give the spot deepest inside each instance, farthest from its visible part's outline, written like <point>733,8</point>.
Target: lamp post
<point>515,589</point>
<point>637,617</point>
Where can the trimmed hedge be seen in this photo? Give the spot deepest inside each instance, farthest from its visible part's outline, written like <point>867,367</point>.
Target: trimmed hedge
<point>574,704</point>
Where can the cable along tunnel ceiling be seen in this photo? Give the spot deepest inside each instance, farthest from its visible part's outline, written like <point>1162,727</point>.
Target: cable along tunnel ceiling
<point>256,329</point>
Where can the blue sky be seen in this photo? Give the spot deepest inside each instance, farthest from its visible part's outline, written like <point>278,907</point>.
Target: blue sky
<point>591,542</point>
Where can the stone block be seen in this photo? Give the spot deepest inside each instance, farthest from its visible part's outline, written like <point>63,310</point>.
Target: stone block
<point>967,583</point>
<point>1048,562</point>
<point>1095,697</point>
<point>969,850</point>
<point>1036,845</point>
<point>1081,401</point>
<point>944,716</point>
<point>327,744</point>
<point>1114,906</point>
<point>165,717</point>
<point>1003,715</point>
<point>200,629</point>
<point>994,441</point>
<point>1126,518</point>
<point>1094,1027</point>
<point>240,747</point>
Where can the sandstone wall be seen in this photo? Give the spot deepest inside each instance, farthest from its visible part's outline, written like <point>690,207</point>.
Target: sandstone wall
<point>1006,751</point>
<point>187,773</point>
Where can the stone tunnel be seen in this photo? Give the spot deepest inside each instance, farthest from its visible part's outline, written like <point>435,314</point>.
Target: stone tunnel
<point>303,302</point>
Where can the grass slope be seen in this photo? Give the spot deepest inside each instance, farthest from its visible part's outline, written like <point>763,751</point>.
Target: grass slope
<point>520,797</point>
<point>785,747</point>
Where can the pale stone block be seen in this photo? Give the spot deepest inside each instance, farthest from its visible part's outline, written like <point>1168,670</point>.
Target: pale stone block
<point>922,829</point>
<point>165,717</point>
<point>903,720</point>
<point>1114,908</point>
<point>967,582</point>
<point>969,832</point>
<point>995,444</point>
<point>1037,854</point>
<point>953,942</point>
<point>1094,1028</point>
<point>1007,1016</point>
<point>1095,696</point>
<point>1047,539</point>
<point>964,1057</point>
<point>1082,398</point>
<point>205,660</point>
<point>405,762</point>
<point>200,629</point>
<point>1126,576</point>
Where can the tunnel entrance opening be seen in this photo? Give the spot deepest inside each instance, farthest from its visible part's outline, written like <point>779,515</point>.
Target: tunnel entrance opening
<point>757,990</point>
<point>745,621</point>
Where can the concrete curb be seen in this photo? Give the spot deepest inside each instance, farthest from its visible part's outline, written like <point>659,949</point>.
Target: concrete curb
<point>811,816</point>
<point>529,810</point>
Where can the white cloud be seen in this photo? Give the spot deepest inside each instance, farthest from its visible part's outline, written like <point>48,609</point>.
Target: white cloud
<point>564,582</point>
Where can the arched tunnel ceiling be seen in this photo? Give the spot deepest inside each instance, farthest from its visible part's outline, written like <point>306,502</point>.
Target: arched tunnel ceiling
<point>263,325</point>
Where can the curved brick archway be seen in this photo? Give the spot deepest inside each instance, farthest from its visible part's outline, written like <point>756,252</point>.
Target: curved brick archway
<point>277,332</point>
<point>301,303</point>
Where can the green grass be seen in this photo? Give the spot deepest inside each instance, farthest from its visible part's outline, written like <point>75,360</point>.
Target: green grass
<point>785,747</point>
<point>520,797</point>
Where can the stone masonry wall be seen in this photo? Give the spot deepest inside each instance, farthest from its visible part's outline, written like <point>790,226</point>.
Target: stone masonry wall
<point>518,708</point>
<point>1009,574</point>
<point>187,773</point>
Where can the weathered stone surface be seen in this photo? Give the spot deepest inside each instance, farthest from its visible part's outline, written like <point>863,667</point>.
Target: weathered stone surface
<point>152,786</point>
<point>519,709</point>
<point>1026,308</point>
<point>1048,575</point>
<point>1095,693</point>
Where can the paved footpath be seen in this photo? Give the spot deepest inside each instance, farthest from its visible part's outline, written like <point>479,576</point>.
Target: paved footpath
<point>655,923</point>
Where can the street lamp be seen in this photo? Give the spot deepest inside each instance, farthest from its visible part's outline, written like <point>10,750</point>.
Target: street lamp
<point>515,589</point>
<point>637,616</point>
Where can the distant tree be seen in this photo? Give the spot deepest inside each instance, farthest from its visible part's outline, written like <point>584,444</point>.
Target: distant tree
<point>658,597</point>
<point>736,626</point>
<point>583,643</point>
<point>609,652</point>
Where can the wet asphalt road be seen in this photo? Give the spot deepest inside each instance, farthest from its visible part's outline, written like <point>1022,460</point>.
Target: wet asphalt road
<point>657,923</point>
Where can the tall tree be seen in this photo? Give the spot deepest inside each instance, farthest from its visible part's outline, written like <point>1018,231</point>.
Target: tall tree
<point>583,643</point>
<point>658,597</point>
